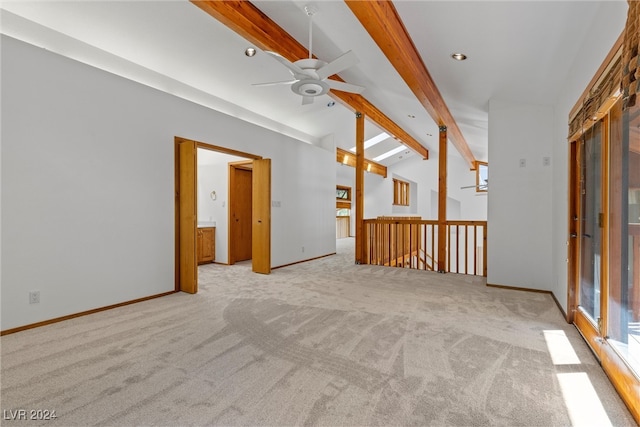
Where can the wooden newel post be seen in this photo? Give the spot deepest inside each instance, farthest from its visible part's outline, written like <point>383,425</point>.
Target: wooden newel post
<point>359,188</point>
<point>442,201</point>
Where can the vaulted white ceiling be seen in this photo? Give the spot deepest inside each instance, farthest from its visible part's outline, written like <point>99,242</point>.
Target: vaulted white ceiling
<point>517,50</point>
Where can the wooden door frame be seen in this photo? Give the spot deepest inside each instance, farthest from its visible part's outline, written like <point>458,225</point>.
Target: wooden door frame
<point>244,165</point>
<point>620,374</point>
<point>186,273</point>
<point>574,231</point>
<point>624,380</point>
<point>177,141</point>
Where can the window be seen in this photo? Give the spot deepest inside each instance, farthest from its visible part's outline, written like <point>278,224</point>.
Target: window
<point>343,193</point>
<point>400,192</point>
<point>343,197</point>
<point>482,176</point>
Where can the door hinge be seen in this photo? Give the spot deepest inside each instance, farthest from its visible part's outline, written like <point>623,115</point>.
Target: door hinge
<point>601,220</point>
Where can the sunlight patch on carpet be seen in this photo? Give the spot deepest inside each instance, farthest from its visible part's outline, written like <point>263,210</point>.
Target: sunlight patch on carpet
<point>560,349</point>
<point>582,401</point>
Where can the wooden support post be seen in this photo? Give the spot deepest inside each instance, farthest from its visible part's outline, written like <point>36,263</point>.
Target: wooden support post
<point>359,188</point>
<point>442,201</point>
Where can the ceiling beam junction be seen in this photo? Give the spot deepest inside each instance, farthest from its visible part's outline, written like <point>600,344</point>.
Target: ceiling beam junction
<point>257,28</point>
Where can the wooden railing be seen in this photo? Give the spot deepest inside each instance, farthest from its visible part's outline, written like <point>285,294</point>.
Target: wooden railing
<point>410,242</point>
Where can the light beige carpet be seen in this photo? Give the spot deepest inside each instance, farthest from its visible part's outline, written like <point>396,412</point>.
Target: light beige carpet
<point>325,342</point>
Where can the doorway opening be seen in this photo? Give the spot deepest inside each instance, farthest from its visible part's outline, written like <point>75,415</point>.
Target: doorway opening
<point>186,210</point>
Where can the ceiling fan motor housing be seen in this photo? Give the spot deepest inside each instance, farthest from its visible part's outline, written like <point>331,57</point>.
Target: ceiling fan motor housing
<point>310,87</point>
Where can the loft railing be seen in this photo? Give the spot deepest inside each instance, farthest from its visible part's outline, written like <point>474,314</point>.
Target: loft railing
<point>410,242</point>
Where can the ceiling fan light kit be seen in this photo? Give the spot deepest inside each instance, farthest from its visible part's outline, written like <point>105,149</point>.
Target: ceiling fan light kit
<point>310,87</point>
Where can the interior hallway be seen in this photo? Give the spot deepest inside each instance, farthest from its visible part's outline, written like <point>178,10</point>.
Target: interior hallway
<point>324,342</point>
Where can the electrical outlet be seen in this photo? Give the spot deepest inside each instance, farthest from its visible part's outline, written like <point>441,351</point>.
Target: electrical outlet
<point>523,163</point>
<point>546,161</point>
<point>303,249</point>
<point>34,297</point>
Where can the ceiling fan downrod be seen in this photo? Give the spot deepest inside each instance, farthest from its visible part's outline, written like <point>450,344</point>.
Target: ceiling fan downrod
<point>310,11</point>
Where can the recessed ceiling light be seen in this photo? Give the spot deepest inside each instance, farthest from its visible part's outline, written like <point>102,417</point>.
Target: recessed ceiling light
<point>459,56</point>
<point>250,51</point>
<point>411,116</point>
<point>331,104</point>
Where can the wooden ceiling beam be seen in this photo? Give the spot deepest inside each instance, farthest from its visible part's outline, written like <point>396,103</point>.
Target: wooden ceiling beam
<point>257,28</point>
<point>348,158</point>
<point>382,22</point>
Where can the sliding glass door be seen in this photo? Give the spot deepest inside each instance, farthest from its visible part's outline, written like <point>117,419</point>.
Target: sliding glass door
<point>604,296</point>
<point>623,325</point>
<point>590,223</point>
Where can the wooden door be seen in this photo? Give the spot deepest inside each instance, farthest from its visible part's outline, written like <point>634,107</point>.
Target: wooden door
<point>186,216</point>
<point>240,208</point>
<point>261,221</point>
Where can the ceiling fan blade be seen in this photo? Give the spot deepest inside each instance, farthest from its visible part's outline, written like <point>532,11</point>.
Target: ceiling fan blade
<point>285,82</point>
<point>344,87</point>
<point>297,72</point>
<point>306,100</point>
<point>344,61</point>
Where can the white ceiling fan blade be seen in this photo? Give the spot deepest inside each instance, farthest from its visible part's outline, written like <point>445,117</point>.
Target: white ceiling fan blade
<point>306,100</point>
<point>344,61</point>
<point>298,73</point>
<point>285,82</point>
<point>344,87</point>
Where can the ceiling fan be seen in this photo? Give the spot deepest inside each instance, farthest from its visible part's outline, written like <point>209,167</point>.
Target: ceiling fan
<point>482,186</point>
<point>310,76</point>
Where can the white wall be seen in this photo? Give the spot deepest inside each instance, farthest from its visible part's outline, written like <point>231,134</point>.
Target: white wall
<point>88,185</point>
<point>597,42</point>
<point>453,207</point>
<point>424,174</point>
<point>519,211</point>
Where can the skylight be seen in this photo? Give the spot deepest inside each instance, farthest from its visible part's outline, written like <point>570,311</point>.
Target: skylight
<point>390,153</point>
<point>373,141</point>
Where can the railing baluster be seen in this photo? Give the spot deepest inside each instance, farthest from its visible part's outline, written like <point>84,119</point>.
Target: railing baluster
<point>484,250</point>
<point>448,260</point>
<point>433,247</point>
<point>412,244</point>
<point>405,243</point>
<point>374,238</point>
<point>466,250</point>
<point>389,244</point>
<point>475,250</point>
<point>457,248</point>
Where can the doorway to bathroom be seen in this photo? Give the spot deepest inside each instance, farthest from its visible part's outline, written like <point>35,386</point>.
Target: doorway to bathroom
<point>187,195</point>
